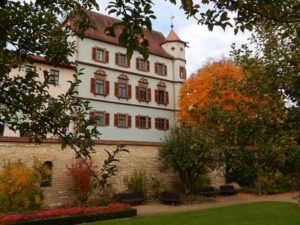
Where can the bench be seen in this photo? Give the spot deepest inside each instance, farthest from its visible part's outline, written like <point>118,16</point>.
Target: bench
<point>207,191</point>
<point>169,198</point>
<point>227,190</point>
<point>132,198</point>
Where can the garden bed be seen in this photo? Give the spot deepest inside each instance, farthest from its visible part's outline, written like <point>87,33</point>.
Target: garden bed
<point>69,216</point>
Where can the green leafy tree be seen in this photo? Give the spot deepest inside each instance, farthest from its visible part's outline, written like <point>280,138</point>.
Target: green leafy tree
<point>190,152</point>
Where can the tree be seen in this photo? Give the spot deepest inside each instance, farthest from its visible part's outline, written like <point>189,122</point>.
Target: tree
<point>190,152</point>
<point>214,83</point>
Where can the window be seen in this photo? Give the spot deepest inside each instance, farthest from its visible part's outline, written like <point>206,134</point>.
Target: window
<point>100,55</point>
<point>46,167</point>
<point>161,95</point>
<point>122,88</point>
<point>142,64</point>
<point>122,120</point>
<point>182,72</point>
<point>2,126</point>
<point>99,84</point>
<point>122,60</point>
<point>142,92</point>
<point>143,122</point>
<point>161,123</point>
<point>54,77</point>
<point>100,87</point>
<point>29,68</point>
<point>160,68</point>
<point>100,118</point>
<point>51,102</point>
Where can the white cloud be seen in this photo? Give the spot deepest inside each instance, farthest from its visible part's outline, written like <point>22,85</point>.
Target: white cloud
<point>203,44</point>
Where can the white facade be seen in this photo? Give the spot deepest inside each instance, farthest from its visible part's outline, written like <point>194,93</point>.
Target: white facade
<point>173,59</point>
<point>65,75</point>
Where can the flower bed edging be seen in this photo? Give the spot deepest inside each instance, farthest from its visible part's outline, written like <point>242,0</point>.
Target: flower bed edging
<point>76,219</point>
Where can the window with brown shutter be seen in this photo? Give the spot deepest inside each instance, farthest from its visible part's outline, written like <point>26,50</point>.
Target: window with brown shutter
<point>182,72</point>
<point>160,68</point>
<point>122,87</point>
<point>161,97</point>
<point>122,120</point>
<point>161,123</point>
<point>143,122</point>
<point>122,60</point>
<point>99,87</point>
<point>142,64</point>
<point>143,93</point>
<point>100,55</point>
<point>100,118</point>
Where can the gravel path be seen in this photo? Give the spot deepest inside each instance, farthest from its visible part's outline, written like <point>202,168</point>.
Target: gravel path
<point>241,198</point>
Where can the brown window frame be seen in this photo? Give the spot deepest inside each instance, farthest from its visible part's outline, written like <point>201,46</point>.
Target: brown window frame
<point>118,60</point>
<point>161,123</point>
<point>105,118</point>
<point>105,54</point>
<point>138,122</point>
<point>93,86</point>
<point>123,80</point>
<point>127,120</point>
<point>182,72</point>
<point>164,71</point>
<point>161,89</point>
<point>146,65</point>
<point>138,91</point>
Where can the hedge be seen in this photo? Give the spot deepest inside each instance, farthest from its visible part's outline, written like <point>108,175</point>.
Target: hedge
<point>77,219</point>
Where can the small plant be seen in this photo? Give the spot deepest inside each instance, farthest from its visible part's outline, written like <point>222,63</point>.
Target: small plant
<point>155,186</point>
<point>19,187</point>
<point>82,173</point>
<point>137,181</point>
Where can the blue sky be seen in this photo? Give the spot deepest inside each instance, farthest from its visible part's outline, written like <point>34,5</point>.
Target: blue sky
<point>203,44</point>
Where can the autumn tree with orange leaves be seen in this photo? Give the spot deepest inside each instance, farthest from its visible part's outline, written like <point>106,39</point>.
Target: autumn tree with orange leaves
<point>235,102</point>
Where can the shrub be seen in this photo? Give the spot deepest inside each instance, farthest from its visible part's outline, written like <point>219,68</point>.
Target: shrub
<point>19,187</point>
<point>239,167</point>
<point>81,173</point>
<point>190,152</point>
<point>272,183</point>
<point>137,181</point>
<point>69,215</point>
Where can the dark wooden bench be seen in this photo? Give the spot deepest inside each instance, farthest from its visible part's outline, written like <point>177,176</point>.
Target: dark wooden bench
<point>207,191</point>
<point>169,198</point>
<point>227,190</point>
<point>132,198</point>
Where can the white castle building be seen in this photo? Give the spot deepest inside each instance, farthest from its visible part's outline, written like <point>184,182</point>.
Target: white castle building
<point>134,100</point>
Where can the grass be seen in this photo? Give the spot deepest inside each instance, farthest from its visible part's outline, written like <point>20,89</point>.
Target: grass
<point>262,213</point>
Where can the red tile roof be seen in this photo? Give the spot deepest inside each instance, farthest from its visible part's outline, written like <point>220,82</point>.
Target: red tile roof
<point>100,22</point>
<point>172,36</point>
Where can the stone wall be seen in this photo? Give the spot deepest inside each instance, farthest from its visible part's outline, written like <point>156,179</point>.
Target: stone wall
<point>59,194</point>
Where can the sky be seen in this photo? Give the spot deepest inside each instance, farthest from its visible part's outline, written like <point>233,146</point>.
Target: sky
<point>203,44</point>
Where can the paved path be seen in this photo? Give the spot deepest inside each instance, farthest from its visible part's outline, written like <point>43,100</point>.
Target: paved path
<point>241,198</point>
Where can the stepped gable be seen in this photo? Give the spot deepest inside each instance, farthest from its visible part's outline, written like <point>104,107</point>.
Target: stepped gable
<point>100,22</point>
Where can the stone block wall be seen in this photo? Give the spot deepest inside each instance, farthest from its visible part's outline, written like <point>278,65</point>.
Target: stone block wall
<point>60,193</point>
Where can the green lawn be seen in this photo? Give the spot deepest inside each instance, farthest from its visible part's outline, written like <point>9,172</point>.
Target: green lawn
<point>263,213</point>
